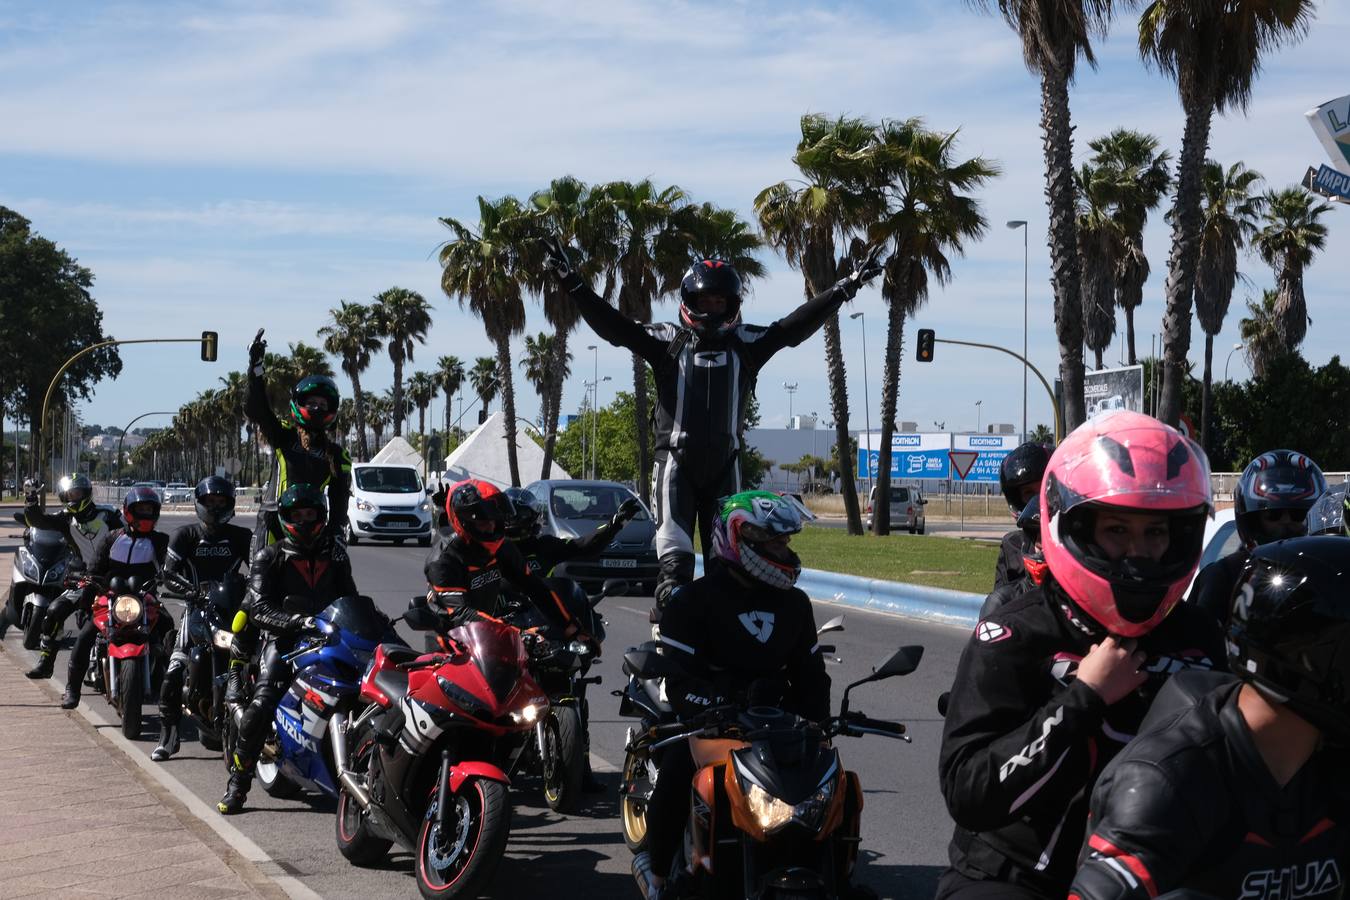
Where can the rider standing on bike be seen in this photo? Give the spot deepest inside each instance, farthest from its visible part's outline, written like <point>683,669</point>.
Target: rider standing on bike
<point>201,554</point>
<point>705,368</point>
<point>744,622</point>
<point>136,551</point>
<point>544,551</point>
<point>290,582</point>
<point>302,452</point>
<point>1236,786</point>
<point>1053,684</point>
<point>1019,476</point>
<point>1270,503</point>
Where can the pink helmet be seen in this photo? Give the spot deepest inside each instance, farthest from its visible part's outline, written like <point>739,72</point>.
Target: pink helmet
<point>1128,461</point>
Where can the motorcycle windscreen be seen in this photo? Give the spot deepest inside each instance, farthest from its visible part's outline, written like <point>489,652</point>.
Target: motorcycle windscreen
<point>357,615</point>
<point>47,547</point>
<point>498,653</point>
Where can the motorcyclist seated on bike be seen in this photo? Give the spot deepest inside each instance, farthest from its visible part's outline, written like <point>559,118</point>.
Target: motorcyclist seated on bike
<point>79,520</point>
<point>1033,561</point>
<point>1235,786</point>
<point>1019,477</point>
<point>290,582</point>
<point>1052,685</point>
<point>744,622</point>
<point>134,552</point>
<point>544,551</point>
<point>200,553</point>
<point>1270,503</point>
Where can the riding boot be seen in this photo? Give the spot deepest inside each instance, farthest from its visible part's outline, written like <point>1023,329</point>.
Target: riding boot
<point>46,663</point>
<point>71,698</point>
<point>236,789</point>
<point>168,743</point>
<point>677,568</point>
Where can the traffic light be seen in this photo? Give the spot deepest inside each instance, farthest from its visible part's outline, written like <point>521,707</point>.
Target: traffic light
<point>927,338</point>
<point>209,341</point>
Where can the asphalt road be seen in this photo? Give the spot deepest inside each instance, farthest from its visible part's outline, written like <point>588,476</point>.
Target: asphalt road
<point>905,825</point>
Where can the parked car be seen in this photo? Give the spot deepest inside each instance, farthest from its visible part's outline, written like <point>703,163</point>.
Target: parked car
<point>177,492</point>
<point>388,503</point>
<point>907,503</point>
<point>156,486</point>
<point>574,508</point>
<point>1221,539</point>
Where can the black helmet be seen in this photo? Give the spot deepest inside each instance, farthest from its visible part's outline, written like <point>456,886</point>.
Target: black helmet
<point>134,512</point>
<point>300,528</point>
<point>1289,632</point>
<point>315,386</point>
<point>1024,466</point>
<point>1328,514</point>
<point>1278,479</point>
<point>526,509</point>
<point>218,514</point>
<point>1029,519</point>
<point>710,276</point>
<point>76,493</point>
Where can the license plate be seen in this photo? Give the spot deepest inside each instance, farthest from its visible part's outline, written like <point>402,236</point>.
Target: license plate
<point>619,563</point>
<point>398,525</point>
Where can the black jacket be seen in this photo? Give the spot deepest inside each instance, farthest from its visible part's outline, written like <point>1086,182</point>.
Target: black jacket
<point>316,578</point>
<point>82,532</point>
<point>544,551</point>
<point>206,556</point>
<point>1023,740</point>
<point>731,634</point>
<point>1191,804</point>
<point>703,384</point>
<point>1010,567</point>
<point>1213,588</point>
<point>466,575</point>
<point>1005,593</point>
<point>327,466</point>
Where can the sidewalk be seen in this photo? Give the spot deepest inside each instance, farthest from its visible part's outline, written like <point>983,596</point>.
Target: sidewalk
<point>79,818</point>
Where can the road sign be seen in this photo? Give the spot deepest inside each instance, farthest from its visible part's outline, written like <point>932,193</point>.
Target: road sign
<point>963,461</point>
<point>1328,183</point>
<point>1331,123</point>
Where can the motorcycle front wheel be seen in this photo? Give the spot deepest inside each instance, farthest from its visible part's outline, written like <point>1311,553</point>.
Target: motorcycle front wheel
<point>461,861</point>
<point>32,632</point>
<point>634,790</point>
<point>268,772</point>
<point>563,758</point>
<point>130,694</point>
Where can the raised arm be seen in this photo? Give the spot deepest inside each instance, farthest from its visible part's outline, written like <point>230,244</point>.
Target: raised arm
<point>256,405</point>
<point>606,321</point>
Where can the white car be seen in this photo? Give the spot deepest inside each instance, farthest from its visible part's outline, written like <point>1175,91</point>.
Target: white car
<point>1221,539</point>
<point>178,492</point>
<point>388,503</point>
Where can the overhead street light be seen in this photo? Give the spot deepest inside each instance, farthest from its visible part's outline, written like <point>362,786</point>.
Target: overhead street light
<point>1026,259</point>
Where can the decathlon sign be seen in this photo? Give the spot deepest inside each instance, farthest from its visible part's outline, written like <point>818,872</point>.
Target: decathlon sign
<point>990,450</point>
<point>913,456</point>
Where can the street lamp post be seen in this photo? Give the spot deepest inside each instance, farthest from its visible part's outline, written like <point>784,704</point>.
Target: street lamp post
<point>595,387</point>
<point>977,415</point>
<point>1026,260</point>
<point>1236,347</point>
<point>867,403</point>
<point>791,389</point>
<point>595,426</point>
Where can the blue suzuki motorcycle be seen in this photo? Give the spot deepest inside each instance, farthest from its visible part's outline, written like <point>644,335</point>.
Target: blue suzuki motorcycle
<point>328,667</point>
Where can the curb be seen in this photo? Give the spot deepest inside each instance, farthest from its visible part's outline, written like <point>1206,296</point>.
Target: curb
<point>912,601</point>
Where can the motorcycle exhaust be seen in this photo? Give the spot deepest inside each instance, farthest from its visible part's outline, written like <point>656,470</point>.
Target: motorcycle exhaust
<point>337,736</point>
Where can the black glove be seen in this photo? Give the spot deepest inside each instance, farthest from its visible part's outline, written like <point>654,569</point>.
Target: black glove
<point>556,260</point>
<point>627,510</point>
<point>869,268</point>
<point>256,350</point>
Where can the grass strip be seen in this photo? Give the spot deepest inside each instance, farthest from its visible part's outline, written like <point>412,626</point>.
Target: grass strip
<point>959,565</point>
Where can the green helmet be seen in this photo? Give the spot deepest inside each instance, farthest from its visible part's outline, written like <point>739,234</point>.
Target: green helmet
<point>313,418</point>
<point>301,527</point>
<point>745,524</point>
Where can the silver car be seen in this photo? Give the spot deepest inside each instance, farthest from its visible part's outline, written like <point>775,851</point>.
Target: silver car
<point>575,508</point>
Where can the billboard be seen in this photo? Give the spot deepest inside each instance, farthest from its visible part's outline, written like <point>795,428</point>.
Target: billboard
<point>1109,389</point>
<point>992,449</point>
<point>913,456</point>
<point>1331,123</point>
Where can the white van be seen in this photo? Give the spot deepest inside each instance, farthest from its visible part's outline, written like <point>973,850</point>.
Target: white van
<point>388,503</point>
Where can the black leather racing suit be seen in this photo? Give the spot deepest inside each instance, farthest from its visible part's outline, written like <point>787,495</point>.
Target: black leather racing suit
<point>466,576</point>
<point>703,386</point>
<point>1214,586</point>
<point>729,632</point>
<point>203,555</point>
<point>82,533</point>
<point>310,578</point>
<point>1024,741</point>
<point>1191,804</point>
<point>326,465</point>
<point>1010,567</point>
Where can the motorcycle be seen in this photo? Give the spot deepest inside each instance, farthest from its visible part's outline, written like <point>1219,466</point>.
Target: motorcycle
<point>327,682</point>
<point>207,623</point>
<point>773,813</point>
<point>127,664</point>
<point>425,763</point>
<point>645,699</point>
<point>36,578</point>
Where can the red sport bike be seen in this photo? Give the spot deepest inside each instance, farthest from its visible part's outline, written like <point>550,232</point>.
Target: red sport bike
<point>425,763</point>
<point>128,663</point>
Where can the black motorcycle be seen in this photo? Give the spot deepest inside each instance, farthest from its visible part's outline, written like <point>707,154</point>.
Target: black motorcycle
<point>37,578</point>
<point>204,638</point>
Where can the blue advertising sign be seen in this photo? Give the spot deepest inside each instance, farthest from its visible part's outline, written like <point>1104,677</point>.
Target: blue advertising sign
<point>993,448</point>
<point>1329,181</point>
<point>913,456</point>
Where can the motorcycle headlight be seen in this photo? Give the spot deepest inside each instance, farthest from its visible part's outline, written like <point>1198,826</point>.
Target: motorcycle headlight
<point>525,715</point>
<point>126,609</point>
<point>770,812</point>
<point>579,648</point>
<point>365,505</point>
<point>811,811</point>
<point>27,564</point>
<point>55,574</point>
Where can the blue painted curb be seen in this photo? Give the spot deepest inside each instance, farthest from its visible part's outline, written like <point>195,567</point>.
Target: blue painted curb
<point>914,601</point>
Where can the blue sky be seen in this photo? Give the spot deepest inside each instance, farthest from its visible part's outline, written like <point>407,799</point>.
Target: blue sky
<point>246,164</point>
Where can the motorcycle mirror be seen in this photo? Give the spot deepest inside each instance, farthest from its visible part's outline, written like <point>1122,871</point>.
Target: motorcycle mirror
<point>648,664</point>
<point>835,624</point>
<point>901,662</point>
<point>944,699</point>
<point>420,618</point>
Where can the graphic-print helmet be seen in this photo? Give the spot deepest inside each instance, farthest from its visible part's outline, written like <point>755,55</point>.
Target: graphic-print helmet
<point>478,512</point>
<point>526,510</point>
<point>301,526</point>
<point>309,415</point>
<point>140,509</point>
<point>76,493</point>
<point>1289,629</point>
<point>217,512</point>
<point>745,526</point>
<point>1276,480</point>
<point>710,276</point>
<point>1132,463</point>
<point>1020,468</point>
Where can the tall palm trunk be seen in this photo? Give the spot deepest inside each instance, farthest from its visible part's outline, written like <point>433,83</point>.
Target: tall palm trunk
<point>1064,267</point>
<point>1291,310</point>
<point>890,400</point>
<point>1205,394</point>
<point>554,399</point>
<point>422,430</point>
<point>643,414</point>
<point>834,363</point>
<point>359,404</point>
<point>397,359</point>
<point>1129,334</point>
<point>508,404</point>
<point>1184,257</point>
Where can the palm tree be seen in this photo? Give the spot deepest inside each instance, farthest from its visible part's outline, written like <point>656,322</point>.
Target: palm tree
<point>1290,237</point>
<point>646,256</point>
<point>1098,250</point>
<point>346,417</point>
<point>1261,339</point>
<point>450,376</point>
<point>545,371</point>
<point>803,219</point>
<point>929,215</point>
<point>234,388</point>
<point>484,381</point>
<point>379,412</point>
<point>422,389</point>
<point>352,334</point>
<point>486,271</point>
<point>1230,211</point>
<point>403,318</point>
<point>1213,51</point>
<point>1055,33</point>
<point>711,232</point>
<point>1139,179</point>
<point>306,360</point>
